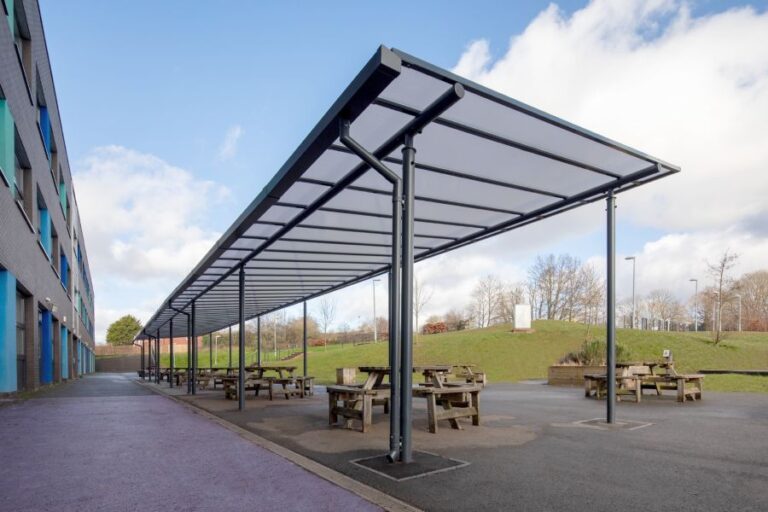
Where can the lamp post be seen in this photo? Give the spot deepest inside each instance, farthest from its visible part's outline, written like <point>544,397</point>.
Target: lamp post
<point>216,349</point>
<point>375,329</point>
<point>633,288</point>
<point>739,297</point>
<point>695,304</point>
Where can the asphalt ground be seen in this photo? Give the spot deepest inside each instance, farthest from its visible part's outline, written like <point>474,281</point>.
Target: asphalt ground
<point>535,450</point>
<point>104,443</point>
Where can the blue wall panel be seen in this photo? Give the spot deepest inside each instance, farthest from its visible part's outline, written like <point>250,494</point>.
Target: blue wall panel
<point>64,354</point>
<point>46,348</point>
<point>7,332</point>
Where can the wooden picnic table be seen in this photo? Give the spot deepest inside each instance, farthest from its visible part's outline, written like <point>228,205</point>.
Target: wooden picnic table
<point>356,402</point>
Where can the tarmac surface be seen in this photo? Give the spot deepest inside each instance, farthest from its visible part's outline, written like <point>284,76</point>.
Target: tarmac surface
<point>536,450</point>
<point>104,443</point>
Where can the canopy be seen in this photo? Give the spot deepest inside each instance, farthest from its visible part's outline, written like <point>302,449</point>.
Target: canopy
<point>487,164</point>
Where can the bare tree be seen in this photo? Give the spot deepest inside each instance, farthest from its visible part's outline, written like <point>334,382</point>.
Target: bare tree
<point>591,294</point>
<point>555,285</point>
<point>719,271</point>
<point>455,320</point>
<point>326,315</point>
<point>422,294</point>
<point>753,288</point>
<point>662,305</point>
<point>511,295</point>
<point>486,300</point>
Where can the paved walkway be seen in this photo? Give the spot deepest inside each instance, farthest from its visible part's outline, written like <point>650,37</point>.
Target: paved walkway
<point>105,443</point>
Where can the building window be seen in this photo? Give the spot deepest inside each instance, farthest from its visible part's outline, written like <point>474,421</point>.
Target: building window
<point>63,194</point>
<point>23,187</point>
<point>21,338</point>
<point>44,227</point>
<point>7,141</point>
<point>56,254</point>
<point>64,269</point>
<point>22,39</point>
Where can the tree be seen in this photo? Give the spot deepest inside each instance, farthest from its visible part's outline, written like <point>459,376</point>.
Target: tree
<point>455,320</point>
<point>326,314</point>
<point>719,271</point>
<point>753,288</point>
<point>487,300</point>
<point>122,330</point>
<point>421,296</point>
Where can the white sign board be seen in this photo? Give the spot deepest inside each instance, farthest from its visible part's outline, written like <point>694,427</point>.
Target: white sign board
<point>522,316</point>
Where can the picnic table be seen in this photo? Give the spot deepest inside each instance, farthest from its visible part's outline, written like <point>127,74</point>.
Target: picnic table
<point>356,402</point>
<point>256,380</point>
<point>634,376</point>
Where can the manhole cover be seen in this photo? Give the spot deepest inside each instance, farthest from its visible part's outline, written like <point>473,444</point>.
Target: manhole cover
<point>424,464</point>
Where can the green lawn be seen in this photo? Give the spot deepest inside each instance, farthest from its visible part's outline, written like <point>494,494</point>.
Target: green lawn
<point>510,357</point>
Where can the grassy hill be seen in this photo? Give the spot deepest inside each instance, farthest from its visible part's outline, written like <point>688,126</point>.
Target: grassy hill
<point>510,357</point>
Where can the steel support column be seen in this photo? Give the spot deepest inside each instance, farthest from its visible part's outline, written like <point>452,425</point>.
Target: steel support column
<point>189,354</point>
<point>304,344</point>
<point>258,341</point>
<point>170,349</point>
<point>157,356</point>
<point>406,311</point>
<point>610,293</point>
<point>210,351</point>
<point>193,342</point>
<point>241,342</point>
<point>143,368</point>
<point>229,366</point>
<point>395,287</point>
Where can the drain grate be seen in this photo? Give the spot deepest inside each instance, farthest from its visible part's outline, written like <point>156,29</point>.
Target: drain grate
<point>424,464</point>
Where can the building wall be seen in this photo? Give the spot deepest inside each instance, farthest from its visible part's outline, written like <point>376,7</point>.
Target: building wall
<point>42,249</point>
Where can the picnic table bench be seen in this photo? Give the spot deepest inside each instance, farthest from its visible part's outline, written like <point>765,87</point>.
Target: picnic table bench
<point>353,403</point>
<point>596,384</point>
<point>457,401</point>
<point>635,377</point>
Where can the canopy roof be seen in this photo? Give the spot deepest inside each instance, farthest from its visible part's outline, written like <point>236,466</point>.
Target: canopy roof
<point>487,165</point>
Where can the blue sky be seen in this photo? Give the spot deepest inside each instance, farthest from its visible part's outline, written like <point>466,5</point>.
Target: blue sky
<point>170,79</point>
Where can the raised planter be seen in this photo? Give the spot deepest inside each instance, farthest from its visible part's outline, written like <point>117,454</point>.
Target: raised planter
<point>570,375</point>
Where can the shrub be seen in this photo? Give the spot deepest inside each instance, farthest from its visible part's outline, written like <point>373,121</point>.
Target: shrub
<point>434,328</point>
<point>592,353</point>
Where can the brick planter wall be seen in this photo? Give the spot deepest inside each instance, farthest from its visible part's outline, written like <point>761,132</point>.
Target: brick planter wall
<point>570,375</point>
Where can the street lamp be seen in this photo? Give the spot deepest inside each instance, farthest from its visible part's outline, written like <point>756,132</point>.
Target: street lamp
<point>633,288</point>
<point>695,304</point>
<point>375,330</point>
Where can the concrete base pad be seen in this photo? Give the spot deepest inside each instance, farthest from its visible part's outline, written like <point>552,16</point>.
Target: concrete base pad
<point>424,464</point>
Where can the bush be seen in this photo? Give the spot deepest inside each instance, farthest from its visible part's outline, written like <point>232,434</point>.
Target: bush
<point>434,328</point>
<point>592,353</point>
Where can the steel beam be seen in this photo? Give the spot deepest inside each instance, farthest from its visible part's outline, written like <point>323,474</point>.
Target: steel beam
<point>258,341</point>
<point>229,366</point>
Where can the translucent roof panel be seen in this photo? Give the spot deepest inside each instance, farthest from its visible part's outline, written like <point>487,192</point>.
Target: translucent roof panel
<point>485,164</point>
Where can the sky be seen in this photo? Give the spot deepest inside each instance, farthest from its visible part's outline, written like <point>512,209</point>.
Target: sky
<point>176,114</point>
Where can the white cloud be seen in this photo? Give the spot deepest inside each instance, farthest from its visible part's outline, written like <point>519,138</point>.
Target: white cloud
<point>691,91</point>
<point>144,227</point>
<point>228,148</point>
